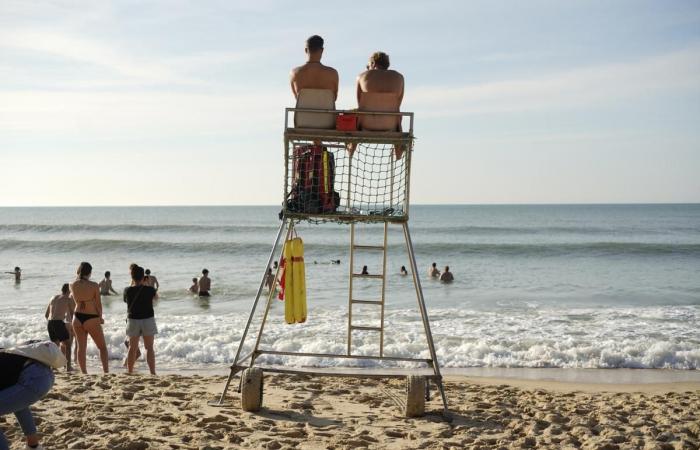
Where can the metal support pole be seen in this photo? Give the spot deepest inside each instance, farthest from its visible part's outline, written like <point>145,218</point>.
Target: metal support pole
<point>381,319</point>
<point>254,355</point>
<point>352,259</point>
<point>250,317</point>
<point>424,313</point>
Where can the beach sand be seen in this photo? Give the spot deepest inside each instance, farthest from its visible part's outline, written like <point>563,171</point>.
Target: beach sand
<point>118,411</point>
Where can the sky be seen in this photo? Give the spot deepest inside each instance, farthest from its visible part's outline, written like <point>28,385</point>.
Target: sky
<point>181,102</point>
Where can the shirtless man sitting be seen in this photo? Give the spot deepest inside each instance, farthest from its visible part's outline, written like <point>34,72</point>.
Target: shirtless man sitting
<point>379,79</point>
<point>313,74</point>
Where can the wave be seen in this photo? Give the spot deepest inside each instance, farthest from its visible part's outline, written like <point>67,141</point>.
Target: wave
<point>483,249</point>
<point>129,228</point>
<point>471,230</point>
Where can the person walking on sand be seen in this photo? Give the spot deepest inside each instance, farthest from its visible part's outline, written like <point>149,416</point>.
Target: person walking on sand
<point>17,273</point>
<point>87,319</point>
<point>194,289</point>
<point>141,320</point>
<point>204,284</point>
<point>433,271</point>
<point>59,312</point>
<point>446,276</point>
<point>106,285</point>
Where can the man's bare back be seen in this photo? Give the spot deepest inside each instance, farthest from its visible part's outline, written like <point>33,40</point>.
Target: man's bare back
<point>378,80</point>
<point>313,74</point>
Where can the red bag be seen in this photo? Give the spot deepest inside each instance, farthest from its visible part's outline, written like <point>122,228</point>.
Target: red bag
<point>346,122</point>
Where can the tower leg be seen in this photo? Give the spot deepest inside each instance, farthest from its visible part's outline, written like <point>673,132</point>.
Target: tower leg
<point>234,365</point>
<point>424,314</point>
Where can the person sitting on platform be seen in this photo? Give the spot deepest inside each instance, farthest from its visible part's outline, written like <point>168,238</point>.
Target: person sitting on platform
<point>380,89</point>
<point>315,86</point>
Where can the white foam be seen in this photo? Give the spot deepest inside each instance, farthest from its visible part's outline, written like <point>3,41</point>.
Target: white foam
<point>566,338</point>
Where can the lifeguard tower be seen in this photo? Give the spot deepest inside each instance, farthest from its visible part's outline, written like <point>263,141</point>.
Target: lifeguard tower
<point>371,185</point>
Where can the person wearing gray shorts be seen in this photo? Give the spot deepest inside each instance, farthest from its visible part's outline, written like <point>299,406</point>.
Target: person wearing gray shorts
<point>141,321</point>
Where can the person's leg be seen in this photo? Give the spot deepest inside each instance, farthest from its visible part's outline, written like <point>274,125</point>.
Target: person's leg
<point>150,353</point>
<point>131,357</point>
<point>94,329</point>
<point>81,343</point>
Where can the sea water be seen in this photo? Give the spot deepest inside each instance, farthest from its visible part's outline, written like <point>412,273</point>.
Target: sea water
<point>569,286</point>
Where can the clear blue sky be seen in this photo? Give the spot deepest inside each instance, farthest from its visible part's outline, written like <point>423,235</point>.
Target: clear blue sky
<point>178,102</point>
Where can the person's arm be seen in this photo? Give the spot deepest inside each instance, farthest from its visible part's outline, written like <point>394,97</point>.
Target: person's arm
<point>112,289</point>
<point>48,307</point>
<point>292,83</point>
<point>71,309</point>
<point>401,92</point>
<point>358,89</point>
<point>98,303</point>
<point>157,284</point>
<point>337,81</point>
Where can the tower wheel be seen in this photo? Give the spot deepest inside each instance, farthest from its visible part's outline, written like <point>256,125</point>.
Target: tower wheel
<point>251,389</point>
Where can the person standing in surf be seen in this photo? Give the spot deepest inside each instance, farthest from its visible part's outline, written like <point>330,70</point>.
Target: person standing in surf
<point>106,285</point>
<point>87,319</point>
<point>204,284</point>
<point>141,320</point>
<point>59,312</point>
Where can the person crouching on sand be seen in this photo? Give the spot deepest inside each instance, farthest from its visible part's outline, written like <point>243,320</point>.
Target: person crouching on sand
<point>141,319</point>
<point>59,312</point>
<point>23,382</point>
<point>88,316</point>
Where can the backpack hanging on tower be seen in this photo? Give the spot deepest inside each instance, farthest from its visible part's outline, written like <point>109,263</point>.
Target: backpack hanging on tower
<point>313,180</point>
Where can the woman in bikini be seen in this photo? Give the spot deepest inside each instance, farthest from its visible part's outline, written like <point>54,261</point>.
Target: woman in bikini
<point>88,316</point>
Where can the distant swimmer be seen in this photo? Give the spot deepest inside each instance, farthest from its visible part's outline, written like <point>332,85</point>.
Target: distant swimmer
<point>59,313</point>
<point>269,279</point>
<point>364,271</point>
<point>313,74</point>
<point>403,270</point>
<point>204,284</point>
<point>106,285</point>
<point>335,261</point>
<point>275,265</point>
<point>446,276</point>
<point>433,271</point>
<point>17,273</point>
<point>194,289</point>
<point>150,280</point>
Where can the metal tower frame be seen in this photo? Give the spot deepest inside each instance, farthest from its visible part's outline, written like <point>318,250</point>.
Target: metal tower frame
<point>292,137</point>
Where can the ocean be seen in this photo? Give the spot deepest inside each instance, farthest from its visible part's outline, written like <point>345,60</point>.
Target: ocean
<point>555,286</point>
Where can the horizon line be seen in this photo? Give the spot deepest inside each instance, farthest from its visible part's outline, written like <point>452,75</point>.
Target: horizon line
<point>415,204</point>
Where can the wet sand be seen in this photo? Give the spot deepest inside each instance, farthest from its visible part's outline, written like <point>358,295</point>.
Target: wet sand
<point>120,411</point>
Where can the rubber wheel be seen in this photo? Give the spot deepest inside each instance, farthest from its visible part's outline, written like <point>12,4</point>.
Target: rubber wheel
<point>252,389</point>
<point>415,396</point>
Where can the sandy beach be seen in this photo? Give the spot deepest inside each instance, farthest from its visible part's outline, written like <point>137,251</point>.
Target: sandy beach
<point>118,411</point>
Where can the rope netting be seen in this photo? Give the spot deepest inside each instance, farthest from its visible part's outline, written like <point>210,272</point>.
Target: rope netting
<point>340,182</point>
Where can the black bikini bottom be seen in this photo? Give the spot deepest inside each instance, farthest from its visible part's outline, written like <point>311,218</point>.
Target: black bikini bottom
<point>82,317</point>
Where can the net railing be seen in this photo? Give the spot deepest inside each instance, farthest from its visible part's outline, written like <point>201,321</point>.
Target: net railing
<point>344,176</point>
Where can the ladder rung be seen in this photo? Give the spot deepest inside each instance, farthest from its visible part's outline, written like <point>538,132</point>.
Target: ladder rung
<point>367,302</point>
<point>368,247</point>
<point>354,327</point>
<point>359,275</point>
